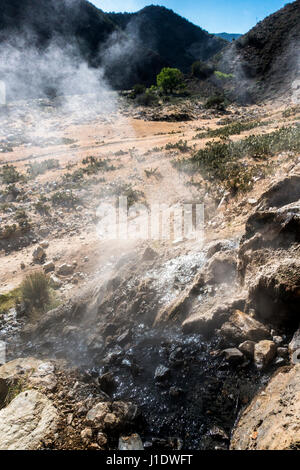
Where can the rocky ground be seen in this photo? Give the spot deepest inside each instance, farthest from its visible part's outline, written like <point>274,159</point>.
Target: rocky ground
<point>149,344</point>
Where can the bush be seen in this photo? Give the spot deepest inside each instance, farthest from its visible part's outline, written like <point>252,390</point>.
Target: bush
<point>169,80</point>
<point>146,99</point>
<point>201,70</point>
<point>216,101</point>
<point>138,89</point>
<point>35,291</point>
<point>9,175</point>
<point>223,76</point>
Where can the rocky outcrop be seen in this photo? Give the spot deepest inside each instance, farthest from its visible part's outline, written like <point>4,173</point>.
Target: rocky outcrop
<point>272,420</point>
<point>26,421</point>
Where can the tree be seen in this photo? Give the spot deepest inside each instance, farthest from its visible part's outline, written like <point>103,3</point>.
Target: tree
<point>169,80</point>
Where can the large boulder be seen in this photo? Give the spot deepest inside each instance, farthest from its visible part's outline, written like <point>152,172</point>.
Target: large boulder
<point>207,321</point>
<point>275,294</point>
<point>30,372</point>
<point>26,421</point>
<point>241,327</point>
<point>272,420</point>
<point>283,192</point>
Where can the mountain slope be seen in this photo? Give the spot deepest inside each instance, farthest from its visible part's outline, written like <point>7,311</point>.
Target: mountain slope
<point>266,60</point>
<point>176,40</point>
<point>66,33</point>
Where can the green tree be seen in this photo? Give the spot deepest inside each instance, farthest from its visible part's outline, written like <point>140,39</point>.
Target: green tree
<point>169,80</point>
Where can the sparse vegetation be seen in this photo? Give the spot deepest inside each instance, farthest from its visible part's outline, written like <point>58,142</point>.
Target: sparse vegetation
<point>181,145</point>
<point>234,128</point>
<point>221,161</point>
<point>64,198</point>
<point>38,168</point>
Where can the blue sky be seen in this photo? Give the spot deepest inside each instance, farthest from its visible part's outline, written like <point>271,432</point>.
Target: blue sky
<point>216,16</point>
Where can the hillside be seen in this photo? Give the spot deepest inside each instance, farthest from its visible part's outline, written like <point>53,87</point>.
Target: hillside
<point>66,34</point>
<point>265,60</point>
<point>176,40</point>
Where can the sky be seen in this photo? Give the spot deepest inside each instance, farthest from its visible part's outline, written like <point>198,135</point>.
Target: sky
<point>216,16</point>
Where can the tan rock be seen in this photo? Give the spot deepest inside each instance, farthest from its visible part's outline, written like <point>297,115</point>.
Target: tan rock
<point>272,420</point>
<point>26,421</point>
<point>241,327</point>
<point>264,352</point>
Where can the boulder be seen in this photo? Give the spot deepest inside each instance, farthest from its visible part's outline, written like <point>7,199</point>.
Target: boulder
<point>161,373</point>
<point>284,192</point>
<point>241,327</point>
<point>264,353</point>
<point>275,295</point>
<point>26,421</point>
<point>221,268</point>
<point>272,420</point>
<point>31,372</point>
<point>205,322</point>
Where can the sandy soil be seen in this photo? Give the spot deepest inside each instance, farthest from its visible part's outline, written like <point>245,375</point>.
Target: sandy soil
<point>138,140</point>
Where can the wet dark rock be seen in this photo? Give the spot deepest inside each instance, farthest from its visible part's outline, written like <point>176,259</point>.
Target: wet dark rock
<point>283,352</point>
<point>107,383</point>
<point>176,392</point>
<point>161,373</point>
<point>218,433</point>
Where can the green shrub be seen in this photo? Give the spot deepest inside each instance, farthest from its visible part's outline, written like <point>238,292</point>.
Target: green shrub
<point>218,102</point>
<point>9,174</point>
<point>64,198</point>
<point>35,291</point>
<point>223,76</point>
<point>170,79</point>
<point>181,145</point>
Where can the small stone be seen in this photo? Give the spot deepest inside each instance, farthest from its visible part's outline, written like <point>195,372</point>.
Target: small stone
<point>38,254</point>
<point>65,269</point>
<point>247,348</point>
<point>283,352</point>
<point>278,340</point>
<point>86,434</point>
<point>101,439</point>
<point>149,254</point>
<point>161,373</point>
<point>264,353</point>
<point>132,442</point>
<point>44,244</point>
<point>233,356</point>
<point>49,266</point>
